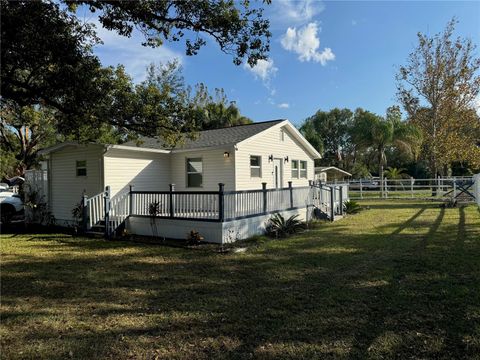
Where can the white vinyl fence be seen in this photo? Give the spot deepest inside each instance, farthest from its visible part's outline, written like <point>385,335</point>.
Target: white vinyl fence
<point>476,188</point>
<point>409,188</point>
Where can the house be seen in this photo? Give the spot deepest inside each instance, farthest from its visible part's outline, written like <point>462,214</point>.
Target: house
<point>330,174</point>
<point>245,159</point>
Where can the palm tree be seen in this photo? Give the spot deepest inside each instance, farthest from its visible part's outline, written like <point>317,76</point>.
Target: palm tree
<point>395,173</point>
<point>379,133</point>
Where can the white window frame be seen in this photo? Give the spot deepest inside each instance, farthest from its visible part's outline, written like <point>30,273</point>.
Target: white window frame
<point>300,170</point>
<point>259,167</point>
<point>81,167</point>
<point>192,172</point>
<point>295,171</point>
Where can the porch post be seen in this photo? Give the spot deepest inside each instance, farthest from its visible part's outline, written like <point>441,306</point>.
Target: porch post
<point>221,203</point>
<point>291,193</point>
<point>172,205</point>
<point>264,190</point>
<point>332,203</point>
<point>341,199</point>
<point>84,212</point>
<point>130,211</point>
<point>106,208</point>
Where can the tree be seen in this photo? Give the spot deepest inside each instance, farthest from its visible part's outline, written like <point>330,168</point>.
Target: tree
<point>214,112</point>
<point>378,133</point>
<point>47,60</point>
<point>238,28</point>
<point>46,56</point>
<point>331,130</point>
<point>438,88</point>
<point>23,131</point>
<point>395,173</point>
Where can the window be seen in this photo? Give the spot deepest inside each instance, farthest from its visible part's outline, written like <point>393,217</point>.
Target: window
<point>194,172</point>
<point>294,169</point>
<point>81,167</point>
<point>303,169</point>
<point>255,166</point>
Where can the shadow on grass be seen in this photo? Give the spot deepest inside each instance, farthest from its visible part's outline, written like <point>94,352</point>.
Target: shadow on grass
<point>331,292</point>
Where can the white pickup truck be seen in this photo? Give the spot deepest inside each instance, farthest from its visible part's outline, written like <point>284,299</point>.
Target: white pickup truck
<point>11,204</point>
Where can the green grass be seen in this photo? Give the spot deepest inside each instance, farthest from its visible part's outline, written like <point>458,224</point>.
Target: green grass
<point>401,280</point>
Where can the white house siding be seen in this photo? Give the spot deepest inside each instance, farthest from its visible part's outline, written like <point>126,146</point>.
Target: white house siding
<point>146,171</point>
<point>216,169</point>
<point>265,144</point>
<point>66,187</point>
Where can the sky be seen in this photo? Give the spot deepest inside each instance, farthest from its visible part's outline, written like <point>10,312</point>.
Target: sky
<point>324,54</point>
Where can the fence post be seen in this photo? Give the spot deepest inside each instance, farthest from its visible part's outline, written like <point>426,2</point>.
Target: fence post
<point>411,186</point>
<point>385,182</point>
<point>130,210</point>
<point>438,185</point>
<point>264,191</point>
<point>221,203</point>
<point>454,188</point>
<point>106,208</point>
<point>291,193</point>
<point>361,189</point>
<point>172,205</point>
<point>332,203</point>
<point>84,212</point>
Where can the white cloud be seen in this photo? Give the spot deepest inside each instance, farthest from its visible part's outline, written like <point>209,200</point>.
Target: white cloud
<point>305,42</point>
<point>264,69</point>
<point>296,12</point>
<point>284,105</point>
<point>117,49</point>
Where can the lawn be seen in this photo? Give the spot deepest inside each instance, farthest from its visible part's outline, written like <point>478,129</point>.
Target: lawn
<point>399,280</point>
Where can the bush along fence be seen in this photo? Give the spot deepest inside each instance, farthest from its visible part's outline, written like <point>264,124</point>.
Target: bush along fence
<point>109,213</point>
<point>457,188</point>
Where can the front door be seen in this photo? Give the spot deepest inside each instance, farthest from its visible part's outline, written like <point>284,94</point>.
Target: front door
<point>278,173</point>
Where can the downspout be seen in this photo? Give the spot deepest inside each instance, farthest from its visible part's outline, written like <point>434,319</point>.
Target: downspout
<point>102,166</point>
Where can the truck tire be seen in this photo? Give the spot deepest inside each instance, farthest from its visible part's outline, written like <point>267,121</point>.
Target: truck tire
<point>6,213</point>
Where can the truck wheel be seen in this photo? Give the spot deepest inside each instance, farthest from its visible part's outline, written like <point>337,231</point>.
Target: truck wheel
<point>6,214</point>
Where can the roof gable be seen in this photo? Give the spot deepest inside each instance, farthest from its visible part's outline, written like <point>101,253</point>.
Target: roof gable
<point>292,130</point>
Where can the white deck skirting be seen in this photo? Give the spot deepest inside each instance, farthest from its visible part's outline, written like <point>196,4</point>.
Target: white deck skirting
<point>212,231</point>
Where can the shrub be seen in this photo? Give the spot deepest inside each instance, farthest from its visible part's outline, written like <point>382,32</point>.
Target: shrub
<point>194,237</point>
<point>351,207</point>
<point>37,208</point>
<point>277,226</point>
<point>154,208</point>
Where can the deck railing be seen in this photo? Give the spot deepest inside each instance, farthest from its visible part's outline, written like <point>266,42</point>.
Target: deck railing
<point>216,206</point>
<point>94,210</point>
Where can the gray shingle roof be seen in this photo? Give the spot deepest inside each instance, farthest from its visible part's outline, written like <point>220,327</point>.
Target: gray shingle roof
<point>209,138</point>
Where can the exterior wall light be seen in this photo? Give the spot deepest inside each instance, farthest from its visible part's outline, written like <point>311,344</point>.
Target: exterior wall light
<point>226,154</point>
<point>285,159</point>
<point>270,158</point>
